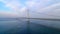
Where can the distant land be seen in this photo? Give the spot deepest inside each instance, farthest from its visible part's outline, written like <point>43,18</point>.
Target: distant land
<point>18,18</point>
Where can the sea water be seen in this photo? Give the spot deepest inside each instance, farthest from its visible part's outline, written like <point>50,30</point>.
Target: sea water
<point>35,26</point>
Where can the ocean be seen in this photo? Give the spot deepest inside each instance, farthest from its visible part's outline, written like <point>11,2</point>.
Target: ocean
<point>21,26</point>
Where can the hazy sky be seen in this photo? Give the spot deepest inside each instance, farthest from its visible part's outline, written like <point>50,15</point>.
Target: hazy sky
<point>37,8</point>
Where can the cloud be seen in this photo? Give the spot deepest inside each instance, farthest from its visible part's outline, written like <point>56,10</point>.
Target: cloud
<point>52,11</point>
<point>15,5</point>
<point>35,5</point>
<point>32,5</point>
<point>8,14</point>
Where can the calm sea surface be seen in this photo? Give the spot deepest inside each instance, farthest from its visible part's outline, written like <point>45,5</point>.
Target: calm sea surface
<point>21,26</point>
